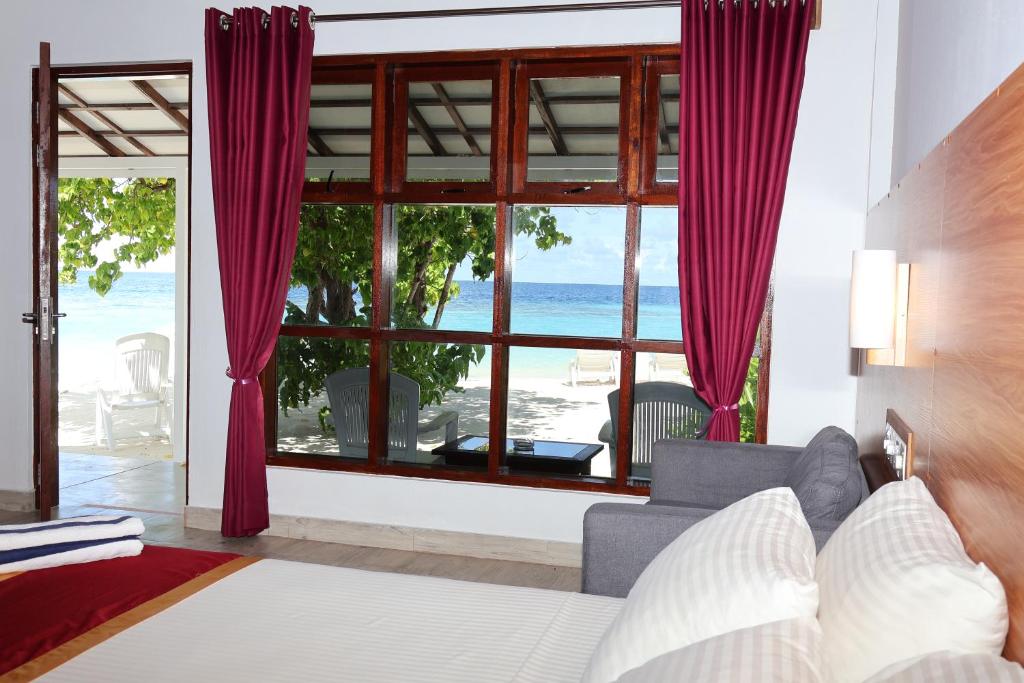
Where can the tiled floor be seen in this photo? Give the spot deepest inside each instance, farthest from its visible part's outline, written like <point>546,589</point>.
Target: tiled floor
<point>154,491</point>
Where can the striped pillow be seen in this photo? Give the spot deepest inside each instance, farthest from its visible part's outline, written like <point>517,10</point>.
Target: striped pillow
<point>950,667</point>
<point>896,583</point>
<point>751,563</point>
<point>780,652</point>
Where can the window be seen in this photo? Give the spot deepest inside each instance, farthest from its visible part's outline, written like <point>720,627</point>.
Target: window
<point>485,283</point>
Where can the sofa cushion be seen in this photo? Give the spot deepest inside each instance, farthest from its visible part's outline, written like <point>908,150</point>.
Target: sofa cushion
<point>826,476</point>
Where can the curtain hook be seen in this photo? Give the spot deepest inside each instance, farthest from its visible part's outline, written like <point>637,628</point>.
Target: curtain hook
<point>225,22</point>
<point>295,19</point>
<point>265,21</point>
<point>312,21</point>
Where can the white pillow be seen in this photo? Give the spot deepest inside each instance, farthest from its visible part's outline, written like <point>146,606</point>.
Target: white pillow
<point>896,583</point>
<point>780,652</point>
<point>749,564</point>
<point>951,667</point>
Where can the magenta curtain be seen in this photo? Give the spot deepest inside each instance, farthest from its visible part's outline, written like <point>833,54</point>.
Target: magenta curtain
<point>741,73</point>
<point>257,80</point>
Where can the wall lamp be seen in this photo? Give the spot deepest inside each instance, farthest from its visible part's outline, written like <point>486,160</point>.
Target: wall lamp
<point>879,299</point>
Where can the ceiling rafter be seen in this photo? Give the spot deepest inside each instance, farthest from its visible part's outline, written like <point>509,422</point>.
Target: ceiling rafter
<point>102,118</point>
<point>456,117</point>
<point>84,130</point>
<point>161,103</point>
<point>548,118</point>
<point>317,143</point>
<point>120,106</point>
<point>426,132</point>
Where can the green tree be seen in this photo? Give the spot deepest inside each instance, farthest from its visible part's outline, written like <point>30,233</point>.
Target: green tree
<point>334,261</point>
<point>137,213</point>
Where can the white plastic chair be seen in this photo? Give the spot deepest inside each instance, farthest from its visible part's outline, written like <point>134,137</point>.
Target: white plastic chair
<point>669,366</point>
<point>140,374</point>
<point>599,365</point>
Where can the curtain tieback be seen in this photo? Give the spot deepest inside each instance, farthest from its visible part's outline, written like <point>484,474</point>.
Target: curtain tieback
<point>725,409</point>
<point>241,380</point>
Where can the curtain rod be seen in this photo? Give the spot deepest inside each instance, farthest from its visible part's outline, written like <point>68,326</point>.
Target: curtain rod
<point>498,11</point>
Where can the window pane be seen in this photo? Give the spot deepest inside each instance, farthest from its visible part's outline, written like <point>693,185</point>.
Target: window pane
<point>664,407</point>
<point>440,402</point>
<point>306,418</point>
<point>567,270</point>
<point>658,311</point>
<point>333,267</point>
<point>668,129</point>
<point>559,399</point>
<point>449,131</point>
<point>574,130</point>
<point>339,131</point>
<point>445,267</point>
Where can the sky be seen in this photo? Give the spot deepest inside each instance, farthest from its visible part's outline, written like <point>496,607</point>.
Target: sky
<point>596,253</point>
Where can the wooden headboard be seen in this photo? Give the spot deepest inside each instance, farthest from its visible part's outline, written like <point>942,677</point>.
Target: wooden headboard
<point>958,218</point>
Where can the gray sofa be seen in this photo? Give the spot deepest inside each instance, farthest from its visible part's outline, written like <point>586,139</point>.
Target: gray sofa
<point>692,479</point>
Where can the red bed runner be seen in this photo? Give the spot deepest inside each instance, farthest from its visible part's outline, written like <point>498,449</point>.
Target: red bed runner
<point>45,608</point>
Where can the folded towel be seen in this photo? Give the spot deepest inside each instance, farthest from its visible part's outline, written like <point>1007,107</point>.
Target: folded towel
<point>69,553</point>
<point>88,528</point>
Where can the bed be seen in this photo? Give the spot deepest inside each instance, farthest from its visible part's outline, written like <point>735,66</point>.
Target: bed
<point>297,621</point>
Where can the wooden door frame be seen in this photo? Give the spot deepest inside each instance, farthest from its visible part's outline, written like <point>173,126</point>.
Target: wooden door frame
<point>51,475</point>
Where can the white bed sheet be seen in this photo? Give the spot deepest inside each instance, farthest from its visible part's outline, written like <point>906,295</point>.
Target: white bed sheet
<point>290,621</point>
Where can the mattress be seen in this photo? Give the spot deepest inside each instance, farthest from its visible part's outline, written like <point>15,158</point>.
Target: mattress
<point>288,621</point>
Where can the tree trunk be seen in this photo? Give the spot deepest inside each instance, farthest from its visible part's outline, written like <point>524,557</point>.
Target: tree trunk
<point>340,302</point>
<point>418,289</point>
<point>443,298</point>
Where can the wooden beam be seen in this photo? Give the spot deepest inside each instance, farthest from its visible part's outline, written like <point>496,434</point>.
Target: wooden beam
<point>162,104</point>
<point>425,132</point>
<point>550,125</point>
<point>89,134</point>
<point>119,106</point>
<point>164,133</point>
<point>456,117</point>
<point>102,118</point>
<point>321,147</point>
<point>666,141</point>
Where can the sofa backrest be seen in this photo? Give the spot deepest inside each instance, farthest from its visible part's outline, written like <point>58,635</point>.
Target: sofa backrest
<point>827,477</point>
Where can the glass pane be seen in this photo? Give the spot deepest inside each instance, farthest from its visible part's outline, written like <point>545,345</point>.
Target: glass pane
<point>658,311</point>
<point>558,398</point>
<point>306,418</point>
<point>664,407</point>
<point>333,267</point>
<point>339,131</point>
<point>449,131</point>
<point>440,403</point>
<point>567,270</point>
<point>574,130</point>
<point>668,129</point>
<point>445,267</point>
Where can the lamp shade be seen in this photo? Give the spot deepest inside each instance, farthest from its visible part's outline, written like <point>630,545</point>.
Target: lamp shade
<point>873,299</point>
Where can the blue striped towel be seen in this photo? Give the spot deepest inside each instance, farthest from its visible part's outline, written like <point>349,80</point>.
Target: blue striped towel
<point>68,541</point>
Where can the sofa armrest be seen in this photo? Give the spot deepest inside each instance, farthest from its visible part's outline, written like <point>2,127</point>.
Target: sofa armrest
<point>714,474</point>
<point>621,539</point>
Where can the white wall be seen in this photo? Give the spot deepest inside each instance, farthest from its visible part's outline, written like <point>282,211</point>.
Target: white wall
<point>823,221</point>
<point>952,54</point>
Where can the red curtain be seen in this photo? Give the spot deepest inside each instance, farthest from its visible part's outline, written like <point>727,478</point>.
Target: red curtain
<point>741,73</point>
<point>258,72</point>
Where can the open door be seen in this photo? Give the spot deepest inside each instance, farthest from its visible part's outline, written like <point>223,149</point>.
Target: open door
<point>43,317</point>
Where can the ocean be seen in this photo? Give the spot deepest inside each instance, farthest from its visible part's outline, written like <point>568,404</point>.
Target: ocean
<point>144,302</point>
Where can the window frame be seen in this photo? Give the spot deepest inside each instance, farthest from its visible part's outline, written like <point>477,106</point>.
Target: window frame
<point>387,188</point>
<point>655,69</point>
<point>563,191</point>
<point>456,191</point>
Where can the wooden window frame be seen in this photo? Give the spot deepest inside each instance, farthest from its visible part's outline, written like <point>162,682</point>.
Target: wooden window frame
<point>655,69</point>
<point>562,192</point>
<point>455,191</point>
<point>507,188</point>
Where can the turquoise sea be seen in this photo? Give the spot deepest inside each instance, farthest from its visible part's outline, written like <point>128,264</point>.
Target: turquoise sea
<point>144,302</point>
